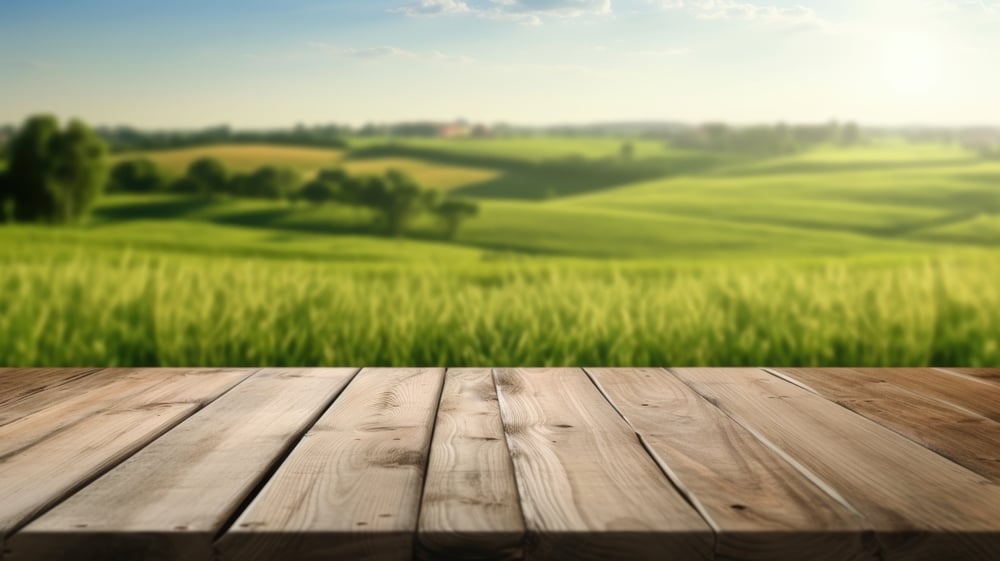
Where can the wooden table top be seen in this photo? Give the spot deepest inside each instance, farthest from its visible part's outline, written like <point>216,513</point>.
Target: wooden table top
<point>509,463</point>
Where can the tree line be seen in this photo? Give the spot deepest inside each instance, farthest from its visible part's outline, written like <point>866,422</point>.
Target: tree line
<point>55,175</point>
<point>765,140</point>
<point>394,197</point>
<point>125,139</point>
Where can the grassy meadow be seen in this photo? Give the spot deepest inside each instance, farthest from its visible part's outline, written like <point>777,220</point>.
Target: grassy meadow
<point>880,254</point>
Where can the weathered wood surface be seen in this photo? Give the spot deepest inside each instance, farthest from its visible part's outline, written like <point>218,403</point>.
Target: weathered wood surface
<point>48,454</point>
<point>963,436</point>
<point>351,489</point>
<point>179,492</point>
<point>981,373</point>
<point>760,505</point>
<point>588,488</point>
<point>17,384</point>
<point>921,505</point>
<point>961,392</point>
<point>535,464</point>
<point>58,398</point>
<point>470,505</point>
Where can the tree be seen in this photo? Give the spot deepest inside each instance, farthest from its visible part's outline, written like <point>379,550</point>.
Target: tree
<point>627,151</point>
<point>373,192</point>
<point>850,134</point>
<point>717,135</point>
<point>187,186</point>
<point>397,199</point>
<point>271,182</point>
<point>327,186</point>
<point>351,191</point>
<point>140,175</point>
<point>452,212</point>
<point>3,197</point>
<point>55,175</point>
<point>335,176</point>
<point>318,192</point>
<point>238,184</point>
<point>209,175</point>
<point>403,201</point>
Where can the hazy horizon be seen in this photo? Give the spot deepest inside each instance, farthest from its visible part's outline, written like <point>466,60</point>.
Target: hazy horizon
<point>539,126</point>
<point>264,64</point>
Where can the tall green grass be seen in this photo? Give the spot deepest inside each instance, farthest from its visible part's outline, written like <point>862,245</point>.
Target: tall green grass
<point>80,305</point>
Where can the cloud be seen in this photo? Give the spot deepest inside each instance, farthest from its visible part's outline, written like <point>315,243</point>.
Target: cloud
<point>791,16</point>
<point>434,7</point>
<point>528,12</point>
<point>387,52</point>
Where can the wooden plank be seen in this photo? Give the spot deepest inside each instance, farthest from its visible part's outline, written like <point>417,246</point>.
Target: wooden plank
<point>44,466</point>
<point>170,500</point>
<point>65,401</point>
<point>974,395</point>
<point>954,432</point>
<point>35,418</point>
<point>351,488</point>
<point>923,506</point>
<point>991,374</point>
<point>470,507</point>
<point>588,488</point>
<point>762,507</point>
<point>18,384</point>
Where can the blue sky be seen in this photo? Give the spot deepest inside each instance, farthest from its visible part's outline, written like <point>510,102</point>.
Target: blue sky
<point>253,63</point>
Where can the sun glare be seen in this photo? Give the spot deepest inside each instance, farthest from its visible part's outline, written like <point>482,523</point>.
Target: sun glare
<point>911,64</point>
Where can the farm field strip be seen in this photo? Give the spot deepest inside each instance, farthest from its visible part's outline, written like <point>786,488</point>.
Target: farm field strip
<point>240,157</point>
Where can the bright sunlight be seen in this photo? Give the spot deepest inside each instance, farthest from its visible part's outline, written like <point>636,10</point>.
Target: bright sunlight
<point>911,63</point>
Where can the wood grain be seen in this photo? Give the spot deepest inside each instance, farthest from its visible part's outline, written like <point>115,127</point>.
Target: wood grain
<point>975,396</point>
<point>351,488</point>
<point>922,506</point>
<point>18,384</point>
<point>46,413</point>
<point>46,458</point>
<point>470,507</point>
<point>762,507</point>
<point>70,385</point>
<point>964,437</point>
<point>179,492</point>
<point>588,488</point>
<point>991,374</point>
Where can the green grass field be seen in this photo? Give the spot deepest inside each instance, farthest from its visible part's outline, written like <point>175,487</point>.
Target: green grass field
<point>886,254</point>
